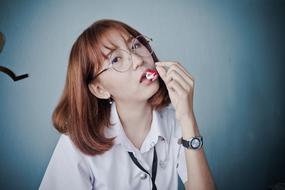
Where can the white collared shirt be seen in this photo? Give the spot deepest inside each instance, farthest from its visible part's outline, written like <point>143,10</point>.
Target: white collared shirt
<point>71,169</point>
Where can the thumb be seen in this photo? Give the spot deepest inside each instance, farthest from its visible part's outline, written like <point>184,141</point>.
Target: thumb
<point>161,71</point>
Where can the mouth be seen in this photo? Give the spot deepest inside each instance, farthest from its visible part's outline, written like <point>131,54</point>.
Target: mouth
<point>149,74</point>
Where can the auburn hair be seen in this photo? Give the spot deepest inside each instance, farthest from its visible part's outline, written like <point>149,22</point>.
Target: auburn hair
<point>79,113</point>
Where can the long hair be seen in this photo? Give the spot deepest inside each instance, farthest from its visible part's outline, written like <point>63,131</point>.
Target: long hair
<point>79,113</point>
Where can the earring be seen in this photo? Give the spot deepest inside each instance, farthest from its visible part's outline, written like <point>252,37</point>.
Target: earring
<point>110,101</point>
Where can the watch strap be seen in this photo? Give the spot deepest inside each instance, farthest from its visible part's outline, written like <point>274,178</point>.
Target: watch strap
<point>187,142</point>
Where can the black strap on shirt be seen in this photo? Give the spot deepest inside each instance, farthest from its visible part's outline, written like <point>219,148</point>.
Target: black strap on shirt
<point>153,170</point>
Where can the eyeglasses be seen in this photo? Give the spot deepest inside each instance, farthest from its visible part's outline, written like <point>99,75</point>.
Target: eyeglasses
<point>121,60</point>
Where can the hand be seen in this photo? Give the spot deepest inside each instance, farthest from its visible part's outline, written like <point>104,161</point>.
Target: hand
<point>180,86</point>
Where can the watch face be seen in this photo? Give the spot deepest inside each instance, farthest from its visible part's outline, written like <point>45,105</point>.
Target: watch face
<point>195,143</point>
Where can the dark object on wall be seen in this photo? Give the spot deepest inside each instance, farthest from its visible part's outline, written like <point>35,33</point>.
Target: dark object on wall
<point>5,69</point>
<point>2,41</point>
<point>12,74</point>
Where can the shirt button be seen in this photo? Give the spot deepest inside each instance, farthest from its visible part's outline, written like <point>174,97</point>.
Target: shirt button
<point>143,176</point>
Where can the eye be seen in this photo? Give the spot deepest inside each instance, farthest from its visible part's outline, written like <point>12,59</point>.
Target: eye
<point>115,60</point>
<point>136,45</point>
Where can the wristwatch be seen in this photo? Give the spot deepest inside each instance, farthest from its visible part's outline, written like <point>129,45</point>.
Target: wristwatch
<point>192,143</point>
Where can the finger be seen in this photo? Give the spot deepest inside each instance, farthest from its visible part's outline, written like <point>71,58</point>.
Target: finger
<point>172,63</point>
<point>181,71</point>
<point>176,87</point>
<point>174,75</point>
<point>184,76</point>
<point>162,72</point>
<point>165,63</point>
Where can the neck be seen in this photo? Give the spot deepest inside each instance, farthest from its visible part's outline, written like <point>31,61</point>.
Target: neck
<point>136,120</point>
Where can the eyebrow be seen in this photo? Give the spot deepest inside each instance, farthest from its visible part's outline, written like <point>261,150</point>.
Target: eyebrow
<point>130,38</point>
<point>128,41</point>
<point>108,54</point>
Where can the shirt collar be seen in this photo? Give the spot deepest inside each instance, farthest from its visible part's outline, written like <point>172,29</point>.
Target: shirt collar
<point>158,129</point>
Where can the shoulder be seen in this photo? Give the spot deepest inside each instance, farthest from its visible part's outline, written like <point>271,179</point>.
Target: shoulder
<point>66,155</point>
<point>66,148</point>
<point>67,168</point>
<point>65,143</point>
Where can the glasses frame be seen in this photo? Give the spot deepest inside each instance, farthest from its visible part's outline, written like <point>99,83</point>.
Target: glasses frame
<point>132,51</point>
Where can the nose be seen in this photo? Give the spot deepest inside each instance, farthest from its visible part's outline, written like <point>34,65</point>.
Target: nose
<point>137,61</point>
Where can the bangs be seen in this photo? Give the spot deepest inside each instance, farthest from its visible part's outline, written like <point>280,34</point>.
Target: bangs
<point>99,38</point>
<point>105,40</point>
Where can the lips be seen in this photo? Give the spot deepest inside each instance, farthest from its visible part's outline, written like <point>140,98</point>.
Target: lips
<point>149,74</point>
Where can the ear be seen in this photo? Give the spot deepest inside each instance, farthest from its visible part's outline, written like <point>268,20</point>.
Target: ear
<point>99,91</point>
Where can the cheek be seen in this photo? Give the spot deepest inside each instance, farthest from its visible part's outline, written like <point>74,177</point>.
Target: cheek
<point>120,86</point>
<point>149,61</point>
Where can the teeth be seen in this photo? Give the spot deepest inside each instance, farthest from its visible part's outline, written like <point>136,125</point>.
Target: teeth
<point>151,75</point>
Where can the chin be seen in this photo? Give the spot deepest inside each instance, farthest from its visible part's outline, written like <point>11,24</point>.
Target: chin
<point>152,90</point>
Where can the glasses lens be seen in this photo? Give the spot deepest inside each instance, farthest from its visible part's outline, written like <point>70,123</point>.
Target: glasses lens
<point>141,45</point>
<point>120,60</point>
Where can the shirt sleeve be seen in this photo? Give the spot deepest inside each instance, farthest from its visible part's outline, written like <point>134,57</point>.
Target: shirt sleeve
<point>181,157</point>
<point>67,169</point>
<point>181,165</point>
<point>179,150</point>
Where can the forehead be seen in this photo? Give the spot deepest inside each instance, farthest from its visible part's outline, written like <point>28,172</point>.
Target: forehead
<point>114,39</point>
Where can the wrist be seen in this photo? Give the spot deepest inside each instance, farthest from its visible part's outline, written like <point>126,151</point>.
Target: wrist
<point>189,127</point>
<point>187,117</point>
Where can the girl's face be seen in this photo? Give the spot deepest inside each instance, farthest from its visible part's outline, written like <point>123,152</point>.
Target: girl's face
<point>124,86</point>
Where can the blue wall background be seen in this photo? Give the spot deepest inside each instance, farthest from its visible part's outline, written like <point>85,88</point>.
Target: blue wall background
<point>234,49</point>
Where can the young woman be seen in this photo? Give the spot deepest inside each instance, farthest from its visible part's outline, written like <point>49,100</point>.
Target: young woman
<point>126,119</point>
